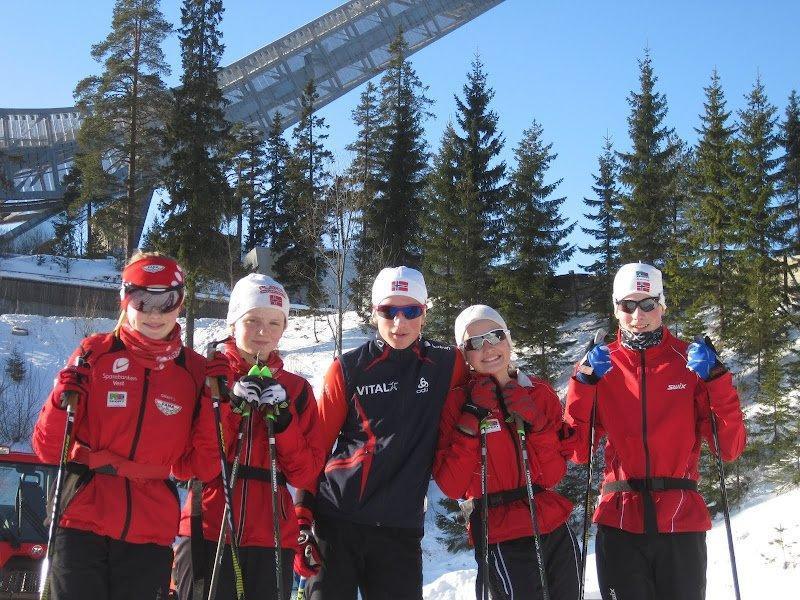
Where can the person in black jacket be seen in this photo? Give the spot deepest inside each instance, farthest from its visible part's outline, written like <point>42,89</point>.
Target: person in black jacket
<point>381,404</point>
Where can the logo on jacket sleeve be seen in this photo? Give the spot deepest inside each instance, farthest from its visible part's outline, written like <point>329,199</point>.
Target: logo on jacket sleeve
<point>423,386</point>
<point>120,365</point>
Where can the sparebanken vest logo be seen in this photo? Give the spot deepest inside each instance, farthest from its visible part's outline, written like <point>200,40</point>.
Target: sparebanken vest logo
<point>120,365</point>
<point>376,388</point>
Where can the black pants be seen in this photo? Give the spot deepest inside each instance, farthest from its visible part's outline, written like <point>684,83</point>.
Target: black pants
<point>86,565</point>
<point>258,571</point>
<point>514,568</point>
<point>383,563</point>
<point>660,566</point>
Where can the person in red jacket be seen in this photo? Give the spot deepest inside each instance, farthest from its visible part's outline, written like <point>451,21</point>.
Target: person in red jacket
<point>141,413</point>
<point>655,395</point>
<point>258,314</point>
<point>495,395</point>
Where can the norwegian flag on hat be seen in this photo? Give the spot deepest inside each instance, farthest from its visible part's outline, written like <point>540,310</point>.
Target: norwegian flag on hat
<point>399,286</point>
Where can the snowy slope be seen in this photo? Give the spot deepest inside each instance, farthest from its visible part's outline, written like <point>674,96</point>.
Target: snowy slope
<point>768,560</point>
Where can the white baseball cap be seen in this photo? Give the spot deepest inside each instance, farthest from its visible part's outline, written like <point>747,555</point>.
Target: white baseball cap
<point>638,278</point>
<point>256,291</point>
<point>399,281</point>
<point>476,312</point>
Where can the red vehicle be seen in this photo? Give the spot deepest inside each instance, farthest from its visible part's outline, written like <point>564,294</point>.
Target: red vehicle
<point>24,482</point>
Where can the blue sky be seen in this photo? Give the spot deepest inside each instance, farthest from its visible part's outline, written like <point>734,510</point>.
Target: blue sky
<point>570,65</point>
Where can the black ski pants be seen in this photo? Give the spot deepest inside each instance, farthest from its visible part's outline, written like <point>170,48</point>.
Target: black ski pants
<point>514,568</point>
<point>661,566</point>
<point>258,571</point>
<point>86,565</point>
<point>383,563</point>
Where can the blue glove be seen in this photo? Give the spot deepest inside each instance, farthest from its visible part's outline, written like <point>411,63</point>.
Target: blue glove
<point>702,359</point>
<point>599,359</point>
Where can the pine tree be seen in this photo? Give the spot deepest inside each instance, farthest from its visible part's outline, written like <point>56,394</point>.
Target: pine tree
<point>474,212</point>
<point>65,243</point>
<point>440,238</point>
<point>534,244</point>
<point>607,234</point>
<point>714,212</point>
<point>400,183</point>
<point>248,164</point>
<point>789,188</point>
<point>363,178</point>
<point>645,172</point>
<point>130,98</point>
<point>268,216</point>
<point>758,328</point>
<point>198,136</point>
<point>300,265</point>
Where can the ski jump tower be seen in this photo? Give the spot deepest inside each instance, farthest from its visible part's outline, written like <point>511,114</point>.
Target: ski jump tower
<point>340,50</point>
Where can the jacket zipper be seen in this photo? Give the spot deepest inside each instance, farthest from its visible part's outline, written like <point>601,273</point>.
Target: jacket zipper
<point>644,430</point>
<point>132,453</point>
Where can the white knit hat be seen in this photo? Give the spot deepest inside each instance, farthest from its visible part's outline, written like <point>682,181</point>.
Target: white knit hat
<point>638,278</point>
<point>399,281</point>
<point>476,312</point>
<point>255,291</point>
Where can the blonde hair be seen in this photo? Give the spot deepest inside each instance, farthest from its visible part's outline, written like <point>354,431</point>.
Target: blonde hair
<point>136,257</point>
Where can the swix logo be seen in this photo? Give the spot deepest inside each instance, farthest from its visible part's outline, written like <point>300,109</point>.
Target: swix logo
<point>676,386</point>
<point>120,365</point>
<point>400,286</point>
<point>383,388</point>
<point>423,386</point>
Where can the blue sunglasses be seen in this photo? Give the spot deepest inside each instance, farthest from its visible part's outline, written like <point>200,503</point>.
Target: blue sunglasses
<point>411,311</point>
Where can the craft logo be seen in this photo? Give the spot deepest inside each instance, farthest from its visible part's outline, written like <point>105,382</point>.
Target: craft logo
<point>153,268</point>
<point>275,300</point>
<point>399,286</point>
<point>120,365</point>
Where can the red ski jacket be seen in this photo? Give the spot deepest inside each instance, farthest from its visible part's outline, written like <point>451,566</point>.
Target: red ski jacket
<point>457,466</point>
<point>655,413</point>
<point>298,462</point>
<point>141,423</point>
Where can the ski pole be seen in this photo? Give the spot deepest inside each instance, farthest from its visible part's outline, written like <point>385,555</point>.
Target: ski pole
<point>537,541</point>
<point>213,385</point>
<point>598,339</point>
<point>723,491</point>
<point>221,540</point>
<point>484,514</point>
<point>70,398</point>
<point>301,589</point>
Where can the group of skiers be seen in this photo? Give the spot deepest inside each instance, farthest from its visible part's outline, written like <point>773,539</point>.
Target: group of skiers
<point>134,409</point>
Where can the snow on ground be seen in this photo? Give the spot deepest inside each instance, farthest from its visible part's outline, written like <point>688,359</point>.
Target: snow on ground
<point>766,529</point>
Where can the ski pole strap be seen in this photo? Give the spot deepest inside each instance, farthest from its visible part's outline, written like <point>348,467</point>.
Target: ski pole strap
<point>496,499</point>
<point>652,484</point>
<point>256,473</point>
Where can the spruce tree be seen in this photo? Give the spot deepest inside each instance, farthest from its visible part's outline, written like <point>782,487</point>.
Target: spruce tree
<point>534,244</point>
<point>472,209</point>
<point>606,233</point>
<point>646,172</point>
<point>713,215</point>
<point>129,96</point>
<point>403,161</point>
<point>789,189</point>
<point>248,165</point>
<point>65,235</point>
<point>198,136</point>
<point>758,327</point>
<point>300,264</point>
<point>363,179</point>
<point>15,368</point>
<point>268,216</point>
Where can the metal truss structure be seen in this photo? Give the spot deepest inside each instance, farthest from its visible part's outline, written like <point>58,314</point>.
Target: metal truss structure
<point>340,50</point>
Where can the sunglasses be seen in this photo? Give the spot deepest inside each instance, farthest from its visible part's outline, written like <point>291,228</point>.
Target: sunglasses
<point>412,311</point>
<point>494,337</point>
<point>149,300</point>
<point>630,306</point>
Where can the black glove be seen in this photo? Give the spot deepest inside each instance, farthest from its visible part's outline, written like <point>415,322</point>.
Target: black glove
<point>471,416</point>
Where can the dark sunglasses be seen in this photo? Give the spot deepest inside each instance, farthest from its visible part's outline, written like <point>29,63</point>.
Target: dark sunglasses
<point>412,311</point>
<point>149,300</point>
<point>494,337</point>
<point>646,304</point>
